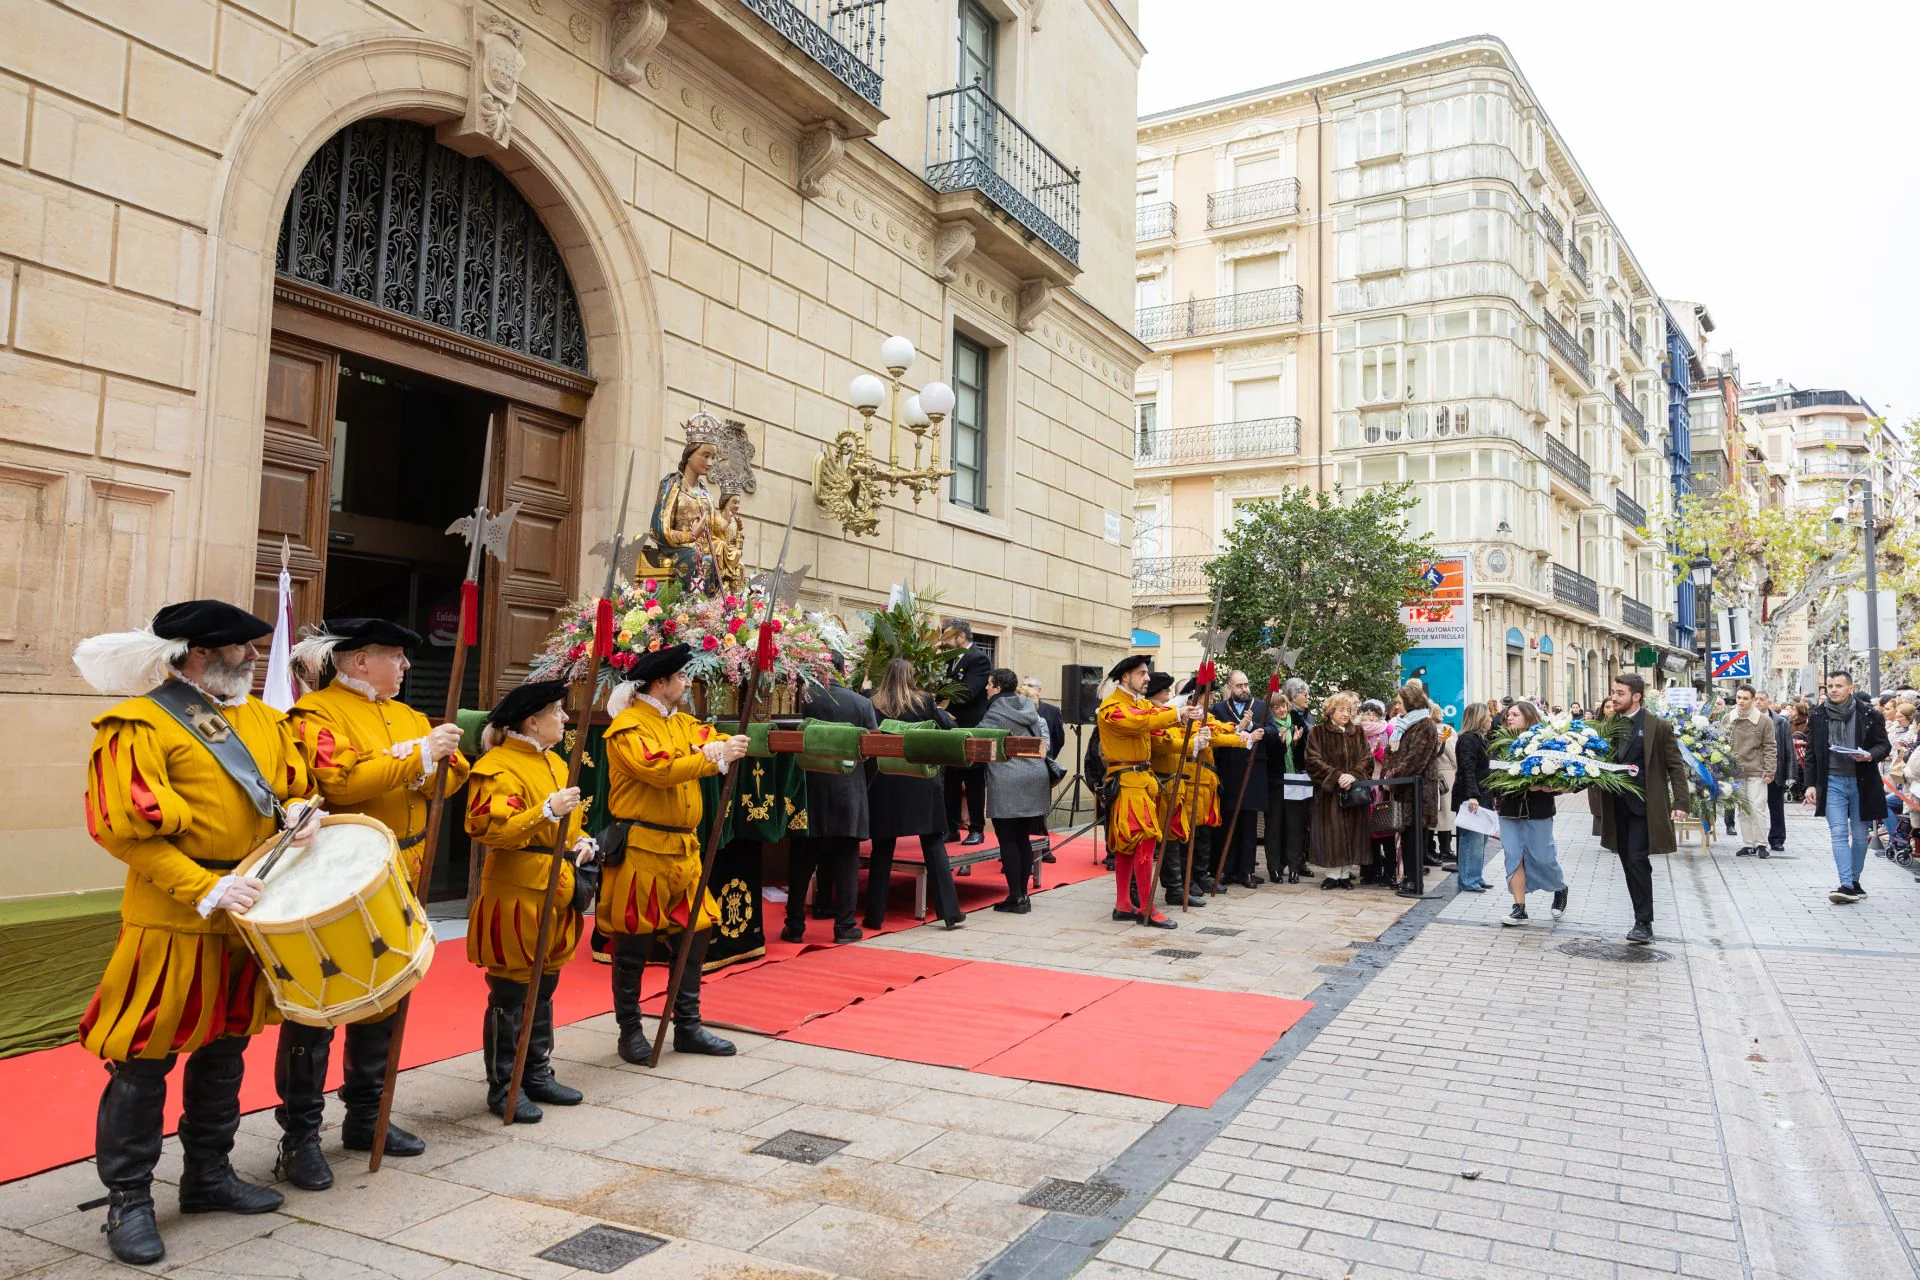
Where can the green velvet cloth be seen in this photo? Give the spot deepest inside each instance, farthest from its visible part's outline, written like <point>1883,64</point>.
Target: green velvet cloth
<point>828,746</point>
<point>52,953</point>
<point>916,764</point>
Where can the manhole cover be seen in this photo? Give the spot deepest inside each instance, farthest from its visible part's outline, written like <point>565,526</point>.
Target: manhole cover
<point>1175,953</point>
<point>601,1249</point>
<point>801,1148</point>
<point>1620,952</point>
<point>1088,1199</point>
<point>1216,931</point>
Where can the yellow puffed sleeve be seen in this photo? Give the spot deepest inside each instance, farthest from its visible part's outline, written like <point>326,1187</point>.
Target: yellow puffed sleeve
<point>133,814</point>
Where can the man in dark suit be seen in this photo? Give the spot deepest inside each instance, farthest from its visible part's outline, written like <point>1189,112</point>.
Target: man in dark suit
<point>1240,707</point>
<point>1846,741</point>
<point>837,821</point>
<point>1635,826</point>
<point>966,707</point>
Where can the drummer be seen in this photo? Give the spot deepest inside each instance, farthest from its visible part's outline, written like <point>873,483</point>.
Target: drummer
<point>656,756</point>
<point>375,756</point>
<point>182,783</point>
<point>515,808</point>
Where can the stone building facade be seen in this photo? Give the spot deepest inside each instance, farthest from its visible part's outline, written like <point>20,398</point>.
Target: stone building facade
<point>663,208</point>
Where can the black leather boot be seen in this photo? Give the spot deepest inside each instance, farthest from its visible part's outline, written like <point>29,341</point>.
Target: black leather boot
<point>688,1035</point>
<point>127,1142</point>
<point>539,1083</point>
<point>366,1077</point>
<point>210,1116</point>
<point>629,962</point>
<point>499,1036</point>
<point>300,1077</point>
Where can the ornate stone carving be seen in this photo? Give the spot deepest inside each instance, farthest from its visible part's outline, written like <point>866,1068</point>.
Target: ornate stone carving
<point>821,149</point>
<point>1252,246</point>
<point>733,452</point>
<point>637,28</point>
<point>492,86</point>
<point>951,243</point>
<point>1034,297</point>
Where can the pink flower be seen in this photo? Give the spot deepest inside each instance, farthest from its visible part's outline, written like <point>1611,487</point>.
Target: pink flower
<point>651,586</point>
<point>709,643</point>
<point>732,602</point>
<point>777,625</point>
<point>576,653</point>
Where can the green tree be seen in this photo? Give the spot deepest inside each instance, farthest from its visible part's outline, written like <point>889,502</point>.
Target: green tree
<point>1325,573</point>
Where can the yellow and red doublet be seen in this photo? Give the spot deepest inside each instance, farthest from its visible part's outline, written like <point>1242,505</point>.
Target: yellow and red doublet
<point>1127,725</point>
<point>505,803</point>
<point>655,764</point>
<point>159,801</point>
<point>1201,778</point>
<point>365,756</point>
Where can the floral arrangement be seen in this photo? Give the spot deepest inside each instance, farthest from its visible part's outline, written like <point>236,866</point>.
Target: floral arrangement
<point>1707,747</point>
<point>1560,756</point>
<point>723,632</point>
<point>905,629</point>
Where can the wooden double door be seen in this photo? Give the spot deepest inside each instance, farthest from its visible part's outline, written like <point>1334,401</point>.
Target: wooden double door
<point>356,402</point>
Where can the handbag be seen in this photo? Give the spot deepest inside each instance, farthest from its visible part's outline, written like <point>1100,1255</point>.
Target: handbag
<point>1388,818</point>
<point>1055,772</point>
<point>1357,796</point>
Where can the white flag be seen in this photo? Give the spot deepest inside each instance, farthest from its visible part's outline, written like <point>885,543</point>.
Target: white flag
<point>279,693</point>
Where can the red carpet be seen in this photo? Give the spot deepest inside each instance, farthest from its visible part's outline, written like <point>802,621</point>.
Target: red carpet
<point>776,998</point>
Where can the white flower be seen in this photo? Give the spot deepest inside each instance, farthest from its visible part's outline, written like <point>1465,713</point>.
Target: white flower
<point>1550,767</point>
<point>1699,721</point>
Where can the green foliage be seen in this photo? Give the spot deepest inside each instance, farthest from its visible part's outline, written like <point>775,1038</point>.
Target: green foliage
<point>908,630</point>
<point>1325,573</point>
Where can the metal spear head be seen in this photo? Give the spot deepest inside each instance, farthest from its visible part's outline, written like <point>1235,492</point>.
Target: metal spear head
<point>483,531</point>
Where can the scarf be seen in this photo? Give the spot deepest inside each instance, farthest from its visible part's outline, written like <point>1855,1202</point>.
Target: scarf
<point>1843,727</point>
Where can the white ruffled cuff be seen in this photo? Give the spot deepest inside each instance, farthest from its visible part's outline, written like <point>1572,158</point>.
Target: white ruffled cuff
<point>207,904</point>
<point>716,752</point>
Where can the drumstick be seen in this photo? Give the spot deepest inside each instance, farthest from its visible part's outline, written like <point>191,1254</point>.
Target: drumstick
<point>286,840</point>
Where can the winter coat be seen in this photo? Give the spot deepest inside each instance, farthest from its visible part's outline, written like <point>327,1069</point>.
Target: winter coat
<point>1470,768</point>
<point>1783,761</point>
<point>1754,747</point>
<point>970,669</point>
<point>1232,763</point>
<point>837,803</point>
<point>1416,757</point>
<point>1446,767</point>
<point>1017,788</point>
<point>1872,737</point>
<point>909,806</point>
<point>1663,781</point>
<point>1339,837</point>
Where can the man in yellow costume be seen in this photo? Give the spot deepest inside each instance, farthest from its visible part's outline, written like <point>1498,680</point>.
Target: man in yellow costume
<point>1127,721</point>
<point>1199,793</point>
<point>183,782</point>
<point>656,756</point>
<point>375,756</point>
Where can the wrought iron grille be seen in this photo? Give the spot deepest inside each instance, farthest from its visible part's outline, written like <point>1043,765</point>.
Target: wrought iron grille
<point>1170,575</point>
<point>1629,510</point>
<point>1152,221</point>
<point>1577,261</point>
<point>973,144</point>
<point>1261,200</point>
<point>848,39</point>
<point>1198,316</point>
<point>1575,589</point>
<point>1630,415</point>
<point>1637,616</point>
<point>1551,231</point>
<point>1218,442</point>
<point>1569,466</point>
<point>1568,346</point>
<point>1633,341</point>
<point>385,214</point>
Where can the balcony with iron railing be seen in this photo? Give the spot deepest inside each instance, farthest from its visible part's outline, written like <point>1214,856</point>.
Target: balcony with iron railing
<point>1567,347</point>
<point>1635,345</point>
<point>1217,442</point>
<point>1577,263</point>
<point>821,62</point>
<point>1151,221</point>
<point>1197,317</point>
<point>1253,203</point>
<point>1569,466</point>
<point>1636,615</point>
<point>974,145</point>
<point>1551,231</point>
<point>1575,589</point>
<point>1170,575</point>
<point>1635,420</point>
<point>1629,510</point>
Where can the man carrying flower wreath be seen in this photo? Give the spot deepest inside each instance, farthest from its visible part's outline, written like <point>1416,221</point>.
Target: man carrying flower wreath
<point>1637,825</point>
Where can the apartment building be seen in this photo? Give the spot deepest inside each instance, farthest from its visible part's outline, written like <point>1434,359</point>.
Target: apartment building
<point>1398,272</point>
<point>268,272</point>
<point>1819,439</point>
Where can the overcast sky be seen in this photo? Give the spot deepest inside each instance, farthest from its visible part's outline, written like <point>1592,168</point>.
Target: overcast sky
<point>1762,158</point>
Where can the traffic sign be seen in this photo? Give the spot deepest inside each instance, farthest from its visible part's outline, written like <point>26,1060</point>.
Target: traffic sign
<point>1731,664</point>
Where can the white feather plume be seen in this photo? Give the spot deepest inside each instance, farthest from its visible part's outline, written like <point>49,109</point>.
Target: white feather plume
<point>312,656</point>
<point>127,662</point>
<point>622,697</point>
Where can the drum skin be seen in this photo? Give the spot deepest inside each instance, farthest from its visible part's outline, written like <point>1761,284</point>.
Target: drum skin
<point>351,961</point>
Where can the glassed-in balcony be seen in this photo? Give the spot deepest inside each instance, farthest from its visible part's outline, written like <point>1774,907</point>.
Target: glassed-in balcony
<point>974,144</point>
<point>1218,442</point>
<point>1199,316</point>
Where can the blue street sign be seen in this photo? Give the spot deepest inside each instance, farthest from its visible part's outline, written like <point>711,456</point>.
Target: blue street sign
<point>1731,664</point>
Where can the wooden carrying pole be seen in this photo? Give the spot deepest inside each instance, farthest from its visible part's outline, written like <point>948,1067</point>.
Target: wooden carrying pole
<point>749,707</point>
<point>1246,775</point>
<point>480,531</point>
<point>603,627</point>
<point>1203,694</point>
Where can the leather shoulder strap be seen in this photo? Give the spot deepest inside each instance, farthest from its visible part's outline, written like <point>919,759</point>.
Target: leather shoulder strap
<point>202,720</point>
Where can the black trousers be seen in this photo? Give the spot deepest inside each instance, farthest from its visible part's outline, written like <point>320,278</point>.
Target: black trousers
<point>1237,863</point>
<point>836,861</point>
<point>1776,815</point>
<point>969,784</point>
<point>1017,837</point>
<point>1631,830</point>
<point>933,852</point>
<point>1286,833</point>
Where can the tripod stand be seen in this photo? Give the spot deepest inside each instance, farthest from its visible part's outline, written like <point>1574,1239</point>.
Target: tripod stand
<point>1078,781</point>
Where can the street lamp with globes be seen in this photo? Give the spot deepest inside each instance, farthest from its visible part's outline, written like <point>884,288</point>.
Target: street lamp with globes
<point>848,476</point>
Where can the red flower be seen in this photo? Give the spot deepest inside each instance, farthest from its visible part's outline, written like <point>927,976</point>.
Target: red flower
<point>777,624</point>
<point>651,586</point>
<point>576,653</point>
<point>733,627</point>
<point>669,626</point>
<point>709,643</point>
<point>732,602</point>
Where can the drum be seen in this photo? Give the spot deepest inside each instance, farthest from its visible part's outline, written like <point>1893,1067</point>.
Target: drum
<point>338,931</point>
